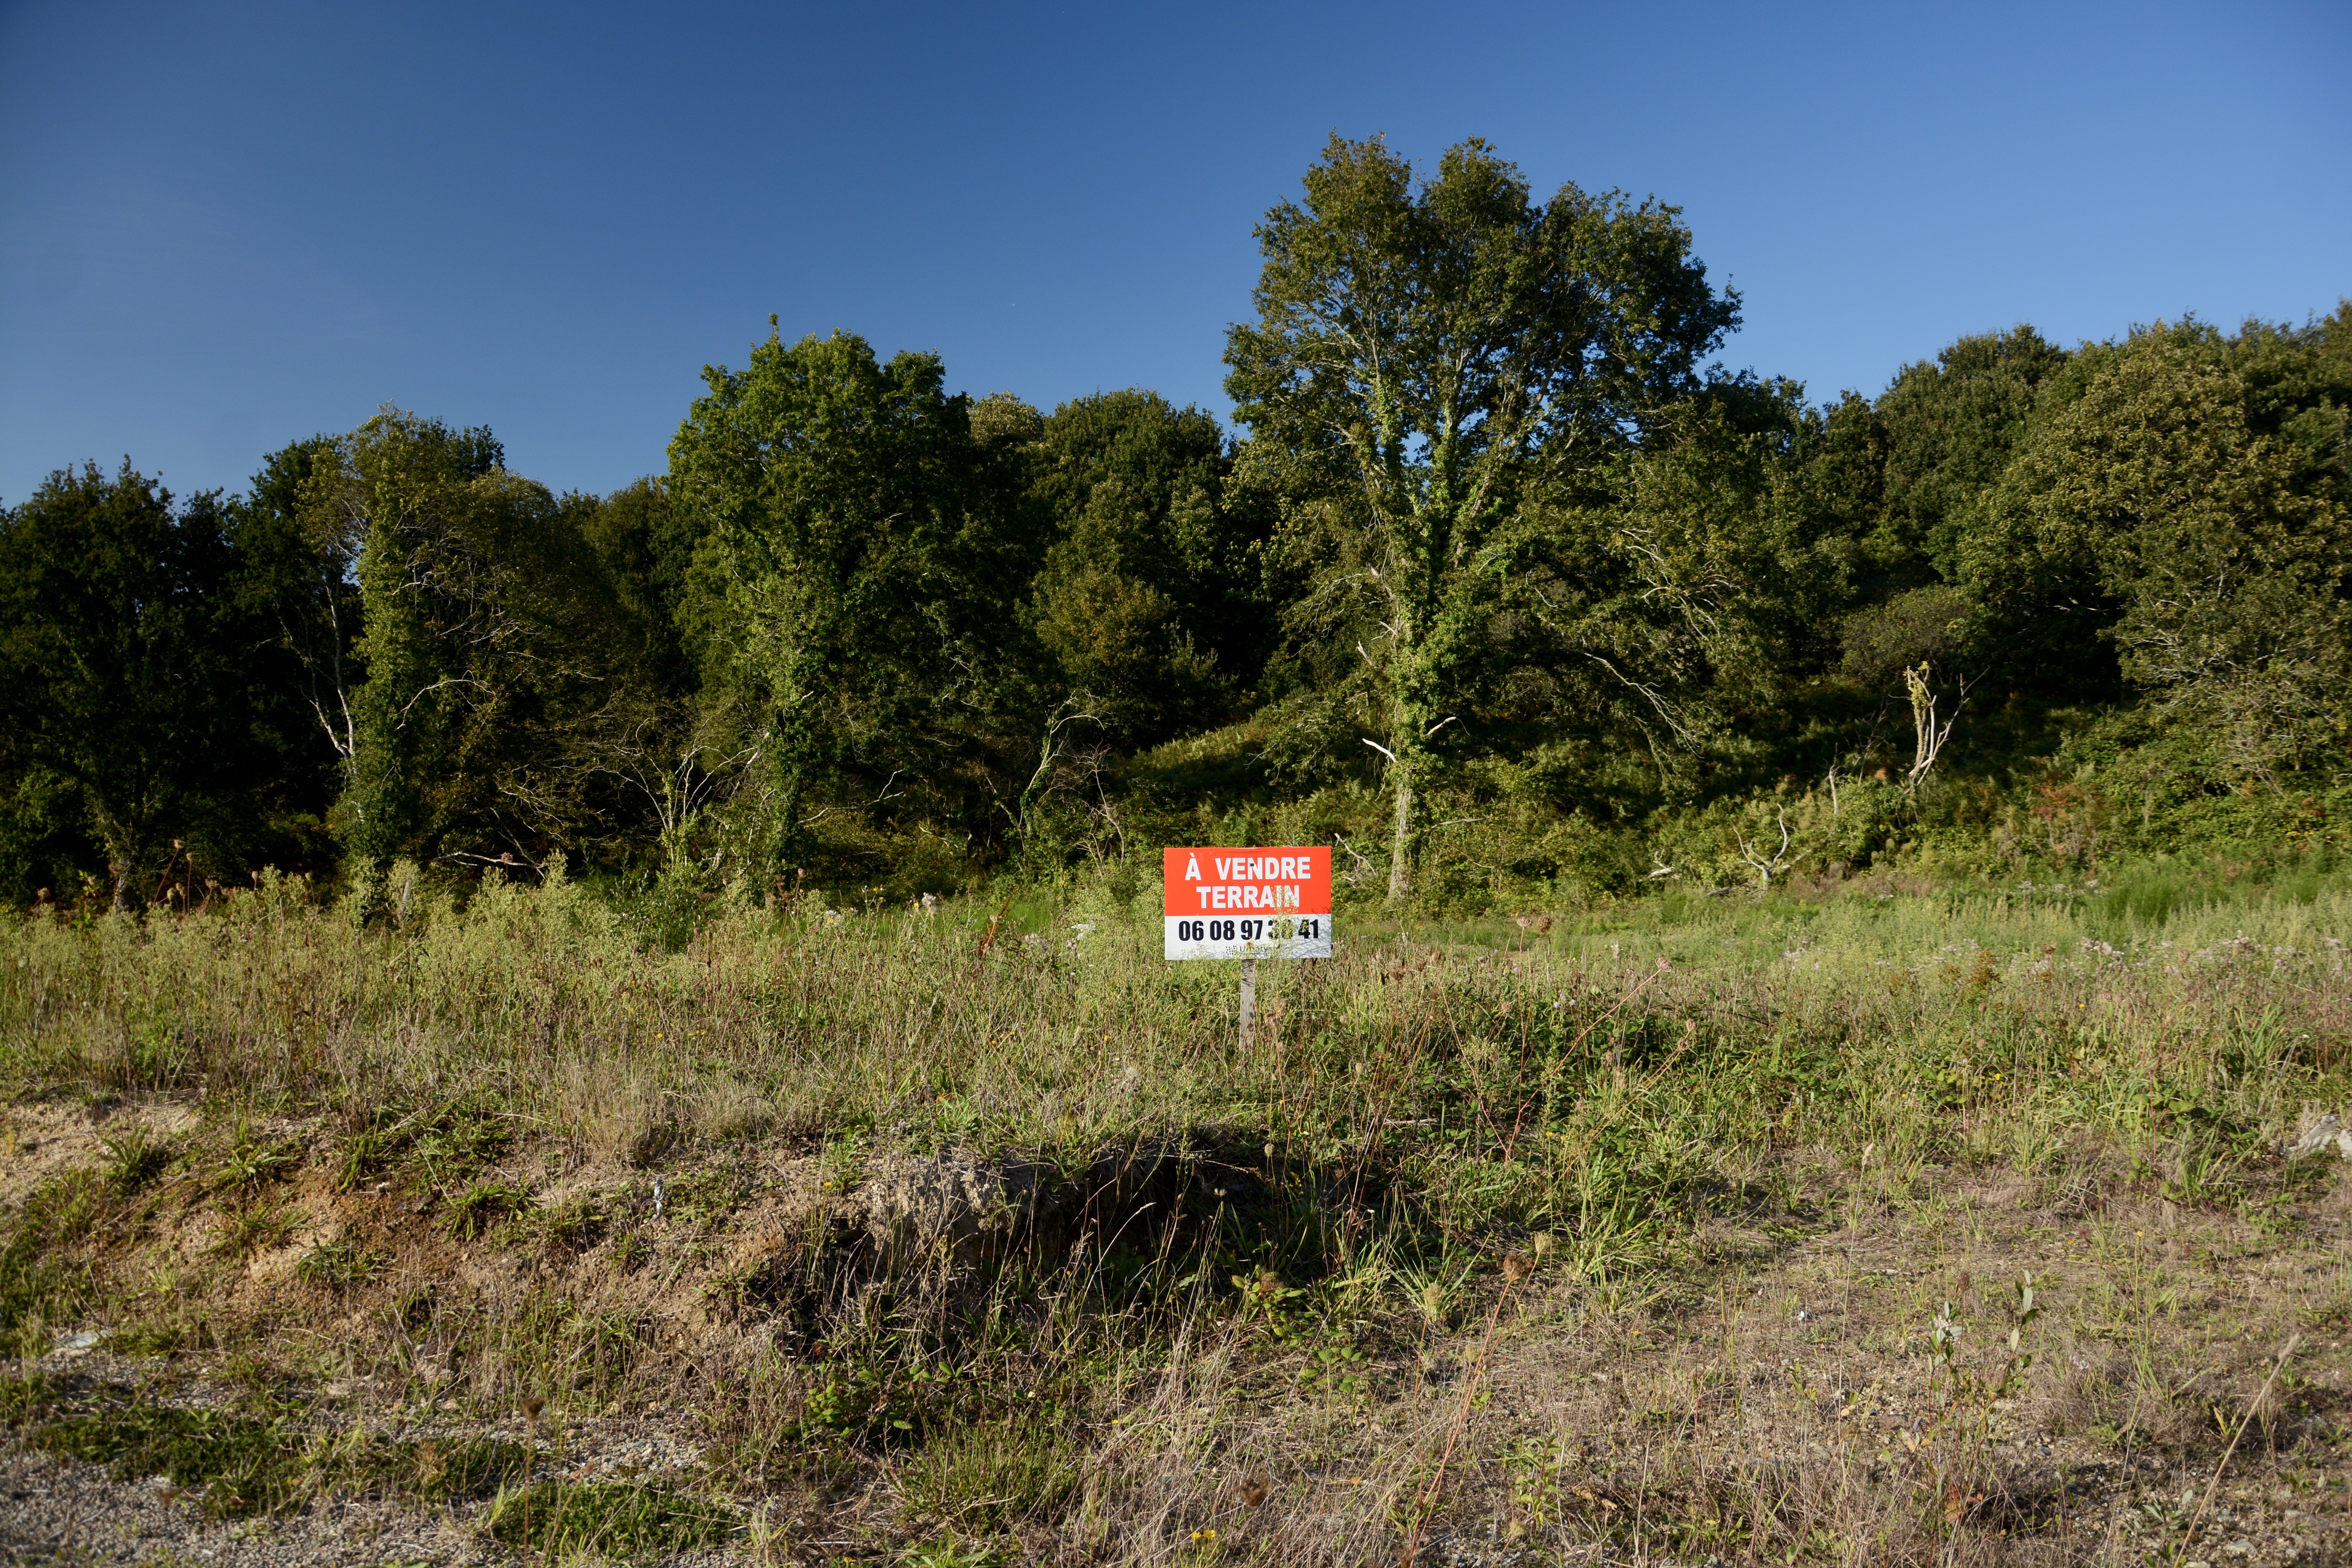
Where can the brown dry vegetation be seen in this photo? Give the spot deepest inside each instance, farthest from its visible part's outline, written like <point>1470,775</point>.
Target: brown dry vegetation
<point>831,1238</point>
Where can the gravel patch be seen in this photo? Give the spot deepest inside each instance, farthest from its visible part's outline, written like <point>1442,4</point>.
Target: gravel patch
<point>62,1511</point>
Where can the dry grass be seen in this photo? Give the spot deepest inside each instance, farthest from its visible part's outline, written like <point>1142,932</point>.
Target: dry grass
<point>910,1252</point>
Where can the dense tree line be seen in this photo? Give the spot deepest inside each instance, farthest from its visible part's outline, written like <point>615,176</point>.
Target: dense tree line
<point>1497,551</point>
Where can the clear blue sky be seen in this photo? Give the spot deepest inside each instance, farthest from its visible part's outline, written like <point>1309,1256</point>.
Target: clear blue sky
<point>222,227</point>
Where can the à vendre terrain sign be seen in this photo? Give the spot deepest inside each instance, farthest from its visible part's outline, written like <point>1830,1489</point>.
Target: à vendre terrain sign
<point>1249,903</point>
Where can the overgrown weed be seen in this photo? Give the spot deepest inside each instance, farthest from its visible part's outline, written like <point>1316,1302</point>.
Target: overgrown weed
<point>1031,1235</point>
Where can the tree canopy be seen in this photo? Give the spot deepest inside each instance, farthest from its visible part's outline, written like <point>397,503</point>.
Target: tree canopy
<point>1434,360</point>
<point>1498,584</point>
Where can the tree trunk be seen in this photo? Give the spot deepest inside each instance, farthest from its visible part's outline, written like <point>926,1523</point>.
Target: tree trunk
<point>1037,786</point>
<point>123,854</point>
<point>794,787</point>
<point>1408,763</point>
<point>1401,845</point>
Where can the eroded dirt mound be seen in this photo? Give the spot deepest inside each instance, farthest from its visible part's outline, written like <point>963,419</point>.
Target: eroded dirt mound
<point>448,1339</point>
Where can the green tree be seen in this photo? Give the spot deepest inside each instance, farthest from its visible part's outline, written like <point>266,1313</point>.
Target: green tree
<point>1949,429</point>
<point>1707,584</point>
<point>2148,510</point>
<point>647,547</point>
<point>1148,598</point>
<point>498,654</point>
<point>117,675</point>
<point>868,555</point>
<point>296,599</point>
<point>1427,357</point>
<point>389,494</point>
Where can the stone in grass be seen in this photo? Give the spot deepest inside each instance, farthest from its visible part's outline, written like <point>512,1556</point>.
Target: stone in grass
<point>2322,1135</point>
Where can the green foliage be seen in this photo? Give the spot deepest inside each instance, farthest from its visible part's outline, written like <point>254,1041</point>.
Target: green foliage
<point>393,494</point>
<point>256,1227</point>
<point>475,1212</point>
<point>558,1521</point>
<point>989,1473</point>
<point>503,665</point>
<point>869,1400</point>
<point>576,1223</point>
<point>2150,511</point>
<point>1147,600</point>
<point>135,1157</point>
<point>1428,363</point>
<point>866,563</point>
<point>1509,596</point>
<point>242,1465</point>
<point>136,683</point>
<point>1947,431</point>
<point>41,1284</point>
<point>338,1265</point>
<point>250,1161</point>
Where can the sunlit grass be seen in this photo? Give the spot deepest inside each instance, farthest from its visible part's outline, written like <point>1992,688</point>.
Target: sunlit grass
<point>1628,1095</point>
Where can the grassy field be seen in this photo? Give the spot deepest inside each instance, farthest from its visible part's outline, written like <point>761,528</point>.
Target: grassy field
<point>1879,1224</point>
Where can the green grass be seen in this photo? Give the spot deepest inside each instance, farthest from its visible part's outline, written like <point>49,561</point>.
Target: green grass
<point>42,1282</point>
<point>559,1521</point>
<point>1174,1234</point>
<point>135,1157</point>
<point>985,1475</point>
<point>339,1265</point>
<point>243,1465</point>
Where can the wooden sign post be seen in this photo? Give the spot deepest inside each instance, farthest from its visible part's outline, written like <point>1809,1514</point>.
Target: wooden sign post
<point>1248,904</point>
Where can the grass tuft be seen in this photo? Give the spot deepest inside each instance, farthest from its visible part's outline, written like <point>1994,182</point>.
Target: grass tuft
<point>482,1206</point>
<point>987,1475</point>
<point>560,1520</point>
<point>339,1266</point>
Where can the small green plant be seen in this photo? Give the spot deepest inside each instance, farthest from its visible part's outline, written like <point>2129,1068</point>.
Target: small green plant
<point>1533,1464</point>
<point>365,1155</point>
<point>573,1226</point>
<point>38,1283</point>
<point>481,1207</point>
<point>239,1465</point>
<point>1336,1368</point>
<point>1265,1296</point>
<point>338,1265</point>
<point>249,1161</point>
<point>257,1228</point>
<point>843,1159</point>
<point>951,1551</point>
<point>1952,1456</point>
<point>433,1469</point>
<point>869,1400</point>
<point>135,1157</point>
<point>988,1475</point>
<point>559,1521</point>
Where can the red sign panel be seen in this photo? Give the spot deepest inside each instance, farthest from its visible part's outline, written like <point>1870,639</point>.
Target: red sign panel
<point>1248,903</point>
